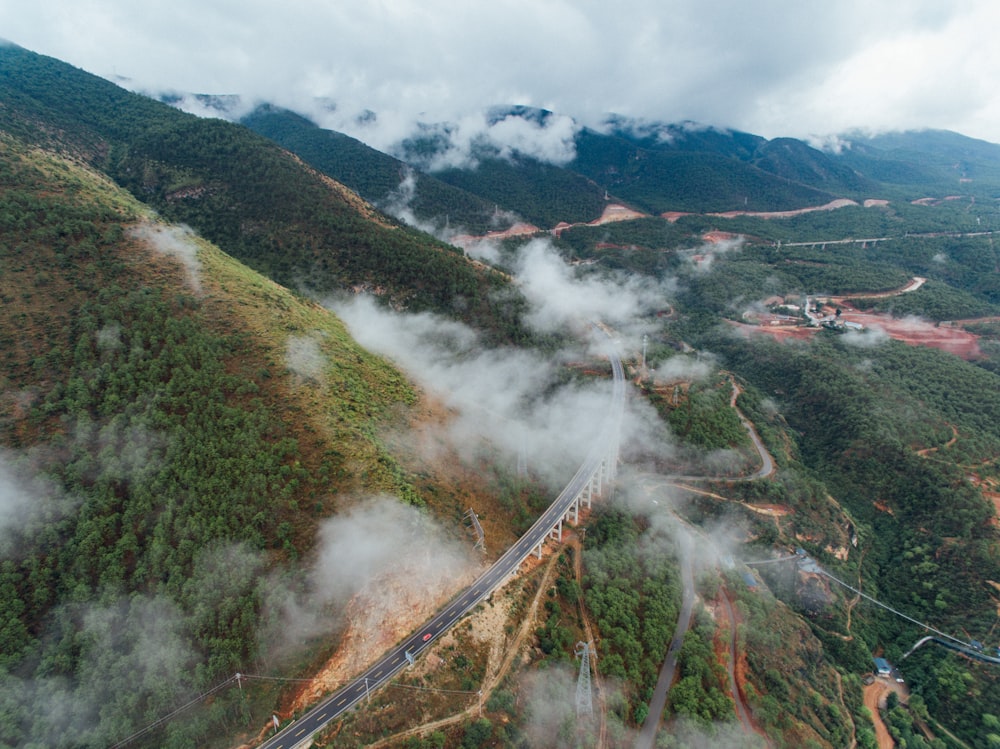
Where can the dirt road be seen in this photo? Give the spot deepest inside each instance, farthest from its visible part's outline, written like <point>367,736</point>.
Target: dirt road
<point>875,696</point>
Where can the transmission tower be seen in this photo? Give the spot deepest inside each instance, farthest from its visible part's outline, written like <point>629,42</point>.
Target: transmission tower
<point>584,703</point>
<point>480,535</point>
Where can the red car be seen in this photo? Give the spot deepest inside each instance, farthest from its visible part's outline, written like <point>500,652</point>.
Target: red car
<point>427,637</point>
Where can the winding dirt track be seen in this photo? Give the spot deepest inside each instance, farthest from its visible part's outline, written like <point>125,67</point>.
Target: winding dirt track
<point>741,708</point>
<point>874,696</point>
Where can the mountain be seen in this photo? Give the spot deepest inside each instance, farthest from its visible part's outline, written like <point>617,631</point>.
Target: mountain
<point>181,432</point>
<point>160,430</point>
<point>652,167</point>
<point>244,193</point>
<point>174,424</point>
<point>935,159</point>
<point>377,177</point>
<point>795,161</point>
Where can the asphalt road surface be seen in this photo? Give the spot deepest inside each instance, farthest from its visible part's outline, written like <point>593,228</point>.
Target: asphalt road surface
<point>659,700</point>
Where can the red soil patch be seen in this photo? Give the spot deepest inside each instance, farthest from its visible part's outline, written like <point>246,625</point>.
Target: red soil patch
<point>874,695</point>
<point>616,212</point>
<point>831,206</point>
<point>772,510</point>
<point>517,230</point>
<point>921,333</point>
<point>714,237</point>
<point>954,340</point>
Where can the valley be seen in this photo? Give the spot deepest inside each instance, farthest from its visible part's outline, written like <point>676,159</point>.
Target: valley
<point>297,438</point>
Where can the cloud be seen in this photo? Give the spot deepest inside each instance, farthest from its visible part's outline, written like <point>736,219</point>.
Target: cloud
<point>380,559</point>
<point>496,395</point>
<point>684,368</point>
<point>17,497</point>
<point>477,135</point>
<point>28,500</point>
<point>560,297</point>
<point>177,242</point>
<point>130,650</point>
<point>776,67</point>
<point>550,708</point>
<point>517,401</point>
<point>398,203</point>
<point>690,735</point>
<point>704,257</point>
<point>870,337</point>
<point>304,358</point>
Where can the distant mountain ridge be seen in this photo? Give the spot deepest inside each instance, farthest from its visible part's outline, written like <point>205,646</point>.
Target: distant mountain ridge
<point>651,167</point>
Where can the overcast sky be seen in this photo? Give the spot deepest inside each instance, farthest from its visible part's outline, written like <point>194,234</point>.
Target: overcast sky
<point>772,67</point>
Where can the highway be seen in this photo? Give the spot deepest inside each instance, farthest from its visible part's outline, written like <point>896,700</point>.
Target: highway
<point>333,706</point>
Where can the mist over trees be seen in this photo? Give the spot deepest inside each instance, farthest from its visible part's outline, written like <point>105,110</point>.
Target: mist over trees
<point>202,471</point>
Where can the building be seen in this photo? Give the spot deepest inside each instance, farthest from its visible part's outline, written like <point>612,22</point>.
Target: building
<point>883,667</point>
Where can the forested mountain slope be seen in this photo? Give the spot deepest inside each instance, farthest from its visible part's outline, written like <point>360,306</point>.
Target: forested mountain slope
<point>172,426</point>
<point>652,167</point>
<point>377,177</point>
<point>242,192</point>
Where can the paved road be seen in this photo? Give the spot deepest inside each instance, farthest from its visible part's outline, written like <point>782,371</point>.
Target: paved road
<point>395,660</point>
<point>647,735</point>
<point>766,462</point>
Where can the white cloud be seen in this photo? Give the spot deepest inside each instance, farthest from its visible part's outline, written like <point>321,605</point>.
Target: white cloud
<point>776,67</point>
<point>18,498</point>
<point>685,368</point>
<point>28,500</point>
<point>560,298</point>
<point>380,559</point>
<point>177,242</point>
<point>304,357</point>
<point>511,400</point>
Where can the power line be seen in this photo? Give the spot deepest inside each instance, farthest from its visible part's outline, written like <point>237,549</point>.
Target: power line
<point>178,711</point>
<point>890,608</point>
<point>256,677</point>
<point>429,689</point>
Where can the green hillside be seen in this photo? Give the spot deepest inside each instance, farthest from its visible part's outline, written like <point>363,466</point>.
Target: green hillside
<point>240,191</point>
<point>153,417</point>
<point>375,176</point>
<point>658,180</point>
<point>175,424</point>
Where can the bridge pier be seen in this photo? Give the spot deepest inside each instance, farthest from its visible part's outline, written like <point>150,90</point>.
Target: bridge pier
<point>556,531</point>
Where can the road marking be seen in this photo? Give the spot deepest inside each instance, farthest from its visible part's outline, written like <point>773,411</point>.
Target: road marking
<point>342,702</point>
<point>301,731</point>
<point>321,717</point>
<point>378,673</point>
